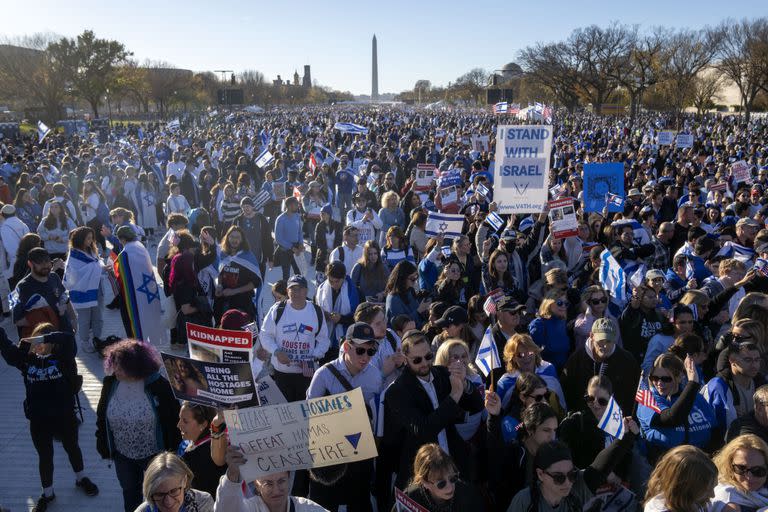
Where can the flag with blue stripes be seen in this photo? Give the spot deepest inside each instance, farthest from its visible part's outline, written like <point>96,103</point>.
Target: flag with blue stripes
<point>500,107</point>
<point>264,159</point>
<point>264,136</point>
<point>612,421</point>
<point>174,125</point>
<point>42,131</point>
<point>613,278</point>
<point>444,223</point>
<point>495,221</point>
<point>614,200</point>
<point>487,356</point>
<point>352,128</point>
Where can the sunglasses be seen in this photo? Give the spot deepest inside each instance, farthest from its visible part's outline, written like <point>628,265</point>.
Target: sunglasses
<point>595,302</point>
<point>559,478</point>
<point>441,484</point>
<point>370,351</point>
<point>592,399</point>
<point>539,398</point>
<point>666,379</point>
<point>419,359</point>
<point>755,471</point>
<point>561,303</point>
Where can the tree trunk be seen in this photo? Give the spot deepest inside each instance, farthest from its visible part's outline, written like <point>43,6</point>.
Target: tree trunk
<point>95,107</point>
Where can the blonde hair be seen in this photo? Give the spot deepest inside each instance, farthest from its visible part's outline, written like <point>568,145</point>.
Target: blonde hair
<point>696,297</point>
<point>516,342</point>
<point>724,458</point>
<point>164,465</point>
<point>684,477</point>
<point>730,264</point>
<point>431,461</point>
<point>546,303</point>
<point>386,196</point>
<point>443,356</point>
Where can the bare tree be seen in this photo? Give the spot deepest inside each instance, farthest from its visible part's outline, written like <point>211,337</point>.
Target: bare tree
<point>743,57</point>
<point>595,52</point>
<point>471,85</point>
<point>32,76</point>
<point>552,66</point>
<point>165,82</point>
<point>706,89</point>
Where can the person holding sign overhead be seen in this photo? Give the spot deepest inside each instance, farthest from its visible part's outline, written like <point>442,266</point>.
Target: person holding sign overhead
<point>350,370</point>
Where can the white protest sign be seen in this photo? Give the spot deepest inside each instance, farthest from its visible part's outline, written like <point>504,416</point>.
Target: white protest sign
<point>684,140</point>
<point>425,175</point>
<point>301,435</point>
<point>740,172</point>
<point>449,196</point>
<point>666,138</point>
<point>219,345</point>
<point>562,215</point>
<point>522,167</point>
<point>480,143</point>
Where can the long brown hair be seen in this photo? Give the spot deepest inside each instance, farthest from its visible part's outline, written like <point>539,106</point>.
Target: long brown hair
<point>684,478</point>
<point>431,463</point>
<point>374,274</point>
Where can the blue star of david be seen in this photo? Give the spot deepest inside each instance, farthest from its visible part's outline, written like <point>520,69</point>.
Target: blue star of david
<point>146,279</point>
<point>149,200</point>
<point>443,227</point>
<point>616,416</point>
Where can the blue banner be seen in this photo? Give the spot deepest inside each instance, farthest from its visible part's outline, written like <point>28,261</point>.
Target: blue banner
<point>599,180</point>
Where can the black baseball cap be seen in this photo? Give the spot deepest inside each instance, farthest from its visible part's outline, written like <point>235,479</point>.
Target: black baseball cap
<point>454,315</point>
<point>297,280</point>
<point>508,303</point>
<point>359,333</point>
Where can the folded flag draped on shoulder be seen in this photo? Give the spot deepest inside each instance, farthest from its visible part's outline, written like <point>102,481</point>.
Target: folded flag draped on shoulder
<point>613,278</point>
<point>352,128</point>
<point>487,357</point>
<point>264,159</point>
<point>42,131</point>
<point>737,251</point>
<point>174,125</point>
<point>612,420</point>
<point>444,223</point>
<point>82,276</point>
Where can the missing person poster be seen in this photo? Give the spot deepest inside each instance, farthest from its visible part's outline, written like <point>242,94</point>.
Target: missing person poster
<point>312,433</point>
<point>209,383</point>
<point>740,172</point>
<point>405,504</point>
<point>219,345</point>
<point>521,173</point>
<point>425,175</point>
<point>562,216</point>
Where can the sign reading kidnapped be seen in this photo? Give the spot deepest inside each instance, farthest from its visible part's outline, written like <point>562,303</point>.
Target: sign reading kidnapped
<point>300,435</point>
<point>522,168</point>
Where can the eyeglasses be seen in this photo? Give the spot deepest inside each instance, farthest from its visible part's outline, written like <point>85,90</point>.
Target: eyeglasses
<point>525,355</point>
<point>559,478</point>
<point>595,302</point>
<point>755,471</point>
<point>666,379</point>
<point>539,398</point>
<point>370,351</point>
<point>561,303</point>
<point>592,399</point>
<point>159,497</point>
<point>441,484</point>
<point>418,359</point>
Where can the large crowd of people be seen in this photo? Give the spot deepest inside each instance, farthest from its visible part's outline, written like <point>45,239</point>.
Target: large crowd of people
<point>185,225</point>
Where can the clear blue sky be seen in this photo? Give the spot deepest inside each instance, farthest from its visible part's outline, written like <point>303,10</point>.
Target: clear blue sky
<point>417,39</point>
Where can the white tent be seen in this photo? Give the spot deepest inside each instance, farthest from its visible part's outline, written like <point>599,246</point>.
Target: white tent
<point>254,109</point>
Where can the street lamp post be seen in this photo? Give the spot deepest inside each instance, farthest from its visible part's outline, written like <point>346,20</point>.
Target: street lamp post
<point>109,110</point>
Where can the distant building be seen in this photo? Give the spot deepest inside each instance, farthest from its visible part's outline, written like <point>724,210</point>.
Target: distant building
<point>304,82</point>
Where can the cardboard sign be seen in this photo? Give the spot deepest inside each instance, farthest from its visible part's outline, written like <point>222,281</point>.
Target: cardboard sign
<point>740,172</point>
<point>405,504</point>
<point>520,176</point>
<point>562,216</point>
<point>212,384</point>
<point>300,435</point>
<point>219,345</point>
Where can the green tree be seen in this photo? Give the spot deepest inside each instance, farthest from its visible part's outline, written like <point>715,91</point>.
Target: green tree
<point>90,63</point>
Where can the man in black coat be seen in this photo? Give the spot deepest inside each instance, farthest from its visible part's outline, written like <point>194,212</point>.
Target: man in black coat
<point>601,356</point>
<point>425,403</point>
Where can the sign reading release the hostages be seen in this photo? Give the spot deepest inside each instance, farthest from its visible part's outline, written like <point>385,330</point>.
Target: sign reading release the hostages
<point>521,171</point>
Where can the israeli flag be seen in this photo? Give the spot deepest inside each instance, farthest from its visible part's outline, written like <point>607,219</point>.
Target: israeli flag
<point>444,223</point>
<point>264,159</point>
<point>613,278</point>
<point>614,200</point>
<point>527,223</point>
<point>174,125</point>
<point>483,190</point>
<point>612,420</point>
<point>352,128</point>
<point>690,272</point>
<point>42,131</point>
<point>487,356</point>
<point>495,221</point>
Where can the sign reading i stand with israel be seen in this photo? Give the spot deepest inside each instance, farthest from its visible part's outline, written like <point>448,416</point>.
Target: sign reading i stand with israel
<point>684,140</point>
<point>522,168</point>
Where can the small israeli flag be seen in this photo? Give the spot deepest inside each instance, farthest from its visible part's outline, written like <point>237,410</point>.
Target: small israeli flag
<point>174,125</point>
<point>487,356</point>
<point>42,130</point>
<point>612,421</point>
<point>264,159</point>
<point>614,200</point>
<point>444,223</point>
<point>482,190</point>
<point>690,272</point>
<point>495,221</point>
<point>613,278</point>
<point>352,128</point>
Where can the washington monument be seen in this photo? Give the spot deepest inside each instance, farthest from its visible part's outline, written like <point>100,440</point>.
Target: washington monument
<point>374,72</point>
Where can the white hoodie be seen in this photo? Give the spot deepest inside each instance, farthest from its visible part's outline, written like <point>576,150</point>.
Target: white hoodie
<point>229,498</point>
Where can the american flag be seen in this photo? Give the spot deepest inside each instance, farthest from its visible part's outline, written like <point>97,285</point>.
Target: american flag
<point>546,113</point>
<point>312,162</point>
<point>513,109</point>
<point>644,396</point>
<point>500,108</point>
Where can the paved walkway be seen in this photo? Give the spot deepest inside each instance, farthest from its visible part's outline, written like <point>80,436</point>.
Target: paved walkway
<point>19,477</point>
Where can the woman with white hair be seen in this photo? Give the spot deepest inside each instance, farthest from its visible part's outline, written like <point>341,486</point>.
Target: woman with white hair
<point>272,491</point>
<point>166,487</point>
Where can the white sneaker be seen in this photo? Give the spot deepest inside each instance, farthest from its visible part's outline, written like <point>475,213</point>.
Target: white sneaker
<point>87,347</point>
